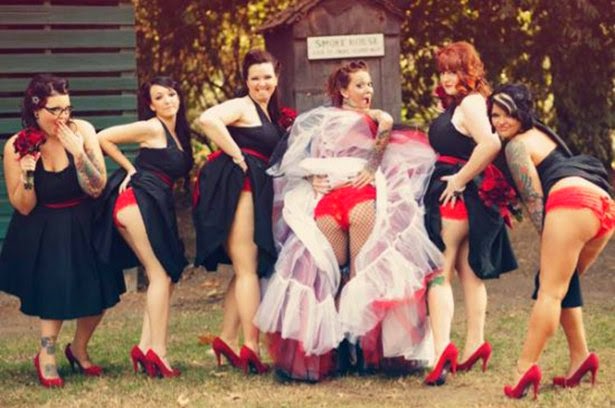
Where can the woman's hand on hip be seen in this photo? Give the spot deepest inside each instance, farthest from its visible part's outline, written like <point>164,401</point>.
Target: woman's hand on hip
<point>452,192</point>
<point>124,183</point>
<point>365,177</point>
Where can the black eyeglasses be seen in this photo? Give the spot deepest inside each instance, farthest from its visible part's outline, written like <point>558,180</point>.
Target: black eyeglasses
<point>57,111</point>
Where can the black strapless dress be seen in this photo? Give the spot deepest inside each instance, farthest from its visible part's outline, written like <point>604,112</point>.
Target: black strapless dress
<point>48,259</point>
<point>217,193</point>
<point>491,252</point>
<point>157,170</point>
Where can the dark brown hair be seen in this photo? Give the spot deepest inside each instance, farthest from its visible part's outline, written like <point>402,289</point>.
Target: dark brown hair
<point>258,56</point>
<point>516,101</point>
<point>182,128</point>
<point>340,78</point>
<point>40,88</point>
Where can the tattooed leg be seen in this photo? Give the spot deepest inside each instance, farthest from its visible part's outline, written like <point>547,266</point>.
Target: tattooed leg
<point>47,354</point>
<point>48,365</point>
<point>48,344</point>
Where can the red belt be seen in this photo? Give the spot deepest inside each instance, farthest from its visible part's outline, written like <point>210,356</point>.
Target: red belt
<point>66,204</point>
<point>451,160</point>
<point>165,179</point>
<point>258,155</point>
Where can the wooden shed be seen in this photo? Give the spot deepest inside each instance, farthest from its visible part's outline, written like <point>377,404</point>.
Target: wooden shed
<point>90,42</point>
<point>313,36</point>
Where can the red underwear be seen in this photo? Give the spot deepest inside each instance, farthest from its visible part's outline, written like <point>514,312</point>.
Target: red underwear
<point>579,197</point>
<point>126,199</point>
<point>454,212</point>
<point>246,184</point>
<point>339,202</point>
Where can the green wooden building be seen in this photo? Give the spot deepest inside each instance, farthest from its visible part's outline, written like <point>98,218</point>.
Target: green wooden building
<point>90,42</point>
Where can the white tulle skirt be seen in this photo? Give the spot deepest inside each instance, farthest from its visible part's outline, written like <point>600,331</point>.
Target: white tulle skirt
<point>304,309</point>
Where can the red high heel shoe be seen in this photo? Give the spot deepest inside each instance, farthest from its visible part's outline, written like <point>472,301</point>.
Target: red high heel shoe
<point>251,362</point>
<point>531,377</point>
<point>157,368</point>
<point>92,371</point>
<point>47,382</point>
<point>590,364</point>
<point>137,357</point>
<point>437,376</point>
<point>482,353</point>
<point>221,348</point>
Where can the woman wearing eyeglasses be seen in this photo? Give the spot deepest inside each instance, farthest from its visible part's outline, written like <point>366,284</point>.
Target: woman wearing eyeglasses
<point>53,170</point>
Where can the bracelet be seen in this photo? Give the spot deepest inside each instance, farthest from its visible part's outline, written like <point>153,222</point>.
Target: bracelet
<point>239,160</point>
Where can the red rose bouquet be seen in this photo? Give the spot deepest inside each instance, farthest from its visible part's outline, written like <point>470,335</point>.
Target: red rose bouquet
<point>495,192</point>
<point>29,141</point>
<point>287,117</point>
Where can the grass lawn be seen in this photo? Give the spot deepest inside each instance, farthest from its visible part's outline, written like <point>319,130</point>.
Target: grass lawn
<point>197,311</point>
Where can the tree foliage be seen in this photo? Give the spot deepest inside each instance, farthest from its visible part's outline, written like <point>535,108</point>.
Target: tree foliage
<point>563,50</point>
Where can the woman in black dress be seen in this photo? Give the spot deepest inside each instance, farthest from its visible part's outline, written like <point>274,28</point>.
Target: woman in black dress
<point>48,259</point>
<point>139,201</point>
<point>233,202</point>
<point>569,200</point>
<point>470,232</point>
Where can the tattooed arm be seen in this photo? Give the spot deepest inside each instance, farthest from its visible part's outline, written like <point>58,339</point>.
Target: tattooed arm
<point>385,124</point>
<point>82,143</point>
<point>527,180</point>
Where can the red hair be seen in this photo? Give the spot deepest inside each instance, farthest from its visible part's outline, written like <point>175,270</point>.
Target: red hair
<point>340,79</point>
<point>461,58</point>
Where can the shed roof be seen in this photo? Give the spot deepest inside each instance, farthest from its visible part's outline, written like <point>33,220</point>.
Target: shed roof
<point>295,12</point>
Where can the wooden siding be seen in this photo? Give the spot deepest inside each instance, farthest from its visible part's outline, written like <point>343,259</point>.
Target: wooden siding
<point>93,46</point>
<point>303,81</point>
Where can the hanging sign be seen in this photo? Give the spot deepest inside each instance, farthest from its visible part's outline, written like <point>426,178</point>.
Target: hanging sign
<point>345,46</point>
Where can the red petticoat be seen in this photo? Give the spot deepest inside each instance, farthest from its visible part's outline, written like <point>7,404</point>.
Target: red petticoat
<point>579,197</point>
<point>289,358</point>
<point>126,199</point>
<point>339,202</point>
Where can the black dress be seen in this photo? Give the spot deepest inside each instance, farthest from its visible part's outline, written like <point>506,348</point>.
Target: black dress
<point>217,193</point>
<point>157,170</point>
<point>491,253</point>
<point>48,259</point>
<point>559,164</point>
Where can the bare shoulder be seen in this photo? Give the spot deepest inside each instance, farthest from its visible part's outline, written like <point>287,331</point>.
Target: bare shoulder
<point>9,146</point>
<point>85,129</point>
<point>151,125</point>
<point>84,125</point>
<point>148,128</point>
<point>518,144</point>
<point>230,112</point>
<point>235,104</point>
<point>473,103</point>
